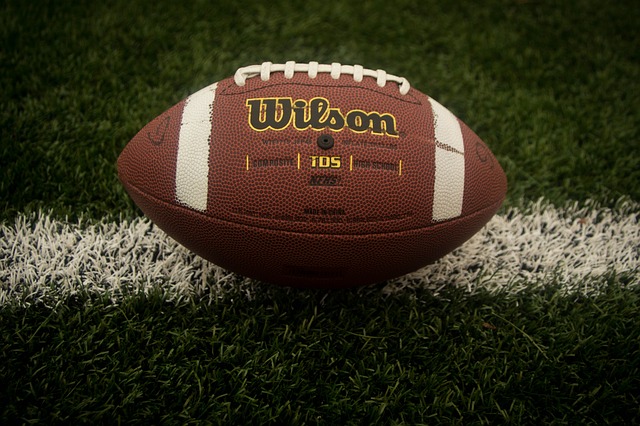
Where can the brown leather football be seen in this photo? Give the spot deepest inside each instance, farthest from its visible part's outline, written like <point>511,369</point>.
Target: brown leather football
<point>313,175</point>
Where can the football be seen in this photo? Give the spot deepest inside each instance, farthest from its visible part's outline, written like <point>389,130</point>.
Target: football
<point>313,175</point>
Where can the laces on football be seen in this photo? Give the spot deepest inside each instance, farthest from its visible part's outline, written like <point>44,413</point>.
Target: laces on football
<point>313,68</point>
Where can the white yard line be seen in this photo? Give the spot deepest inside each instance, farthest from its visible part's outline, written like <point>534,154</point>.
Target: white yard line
<point>45,260</point>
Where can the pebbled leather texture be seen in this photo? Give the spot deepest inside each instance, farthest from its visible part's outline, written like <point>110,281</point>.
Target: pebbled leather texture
<point>402,183</point>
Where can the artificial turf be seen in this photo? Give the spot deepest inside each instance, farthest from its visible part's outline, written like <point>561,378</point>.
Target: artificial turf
<point>552,87</point>
<point>291,357</point>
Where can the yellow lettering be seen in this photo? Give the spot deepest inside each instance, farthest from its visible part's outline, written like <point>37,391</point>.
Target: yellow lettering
<point>317,114</point>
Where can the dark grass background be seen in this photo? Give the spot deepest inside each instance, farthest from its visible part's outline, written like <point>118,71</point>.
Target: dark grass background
<point>552,87</point>
<point>308,357</point>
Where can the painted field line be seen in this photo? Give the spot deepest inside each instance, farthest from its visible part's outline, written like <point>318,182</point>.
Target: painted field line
<point>46,260</point>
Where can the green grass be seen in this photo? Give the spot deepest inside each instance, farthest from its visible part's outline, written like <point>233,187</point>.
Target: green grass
<point>291,357</point>
<point>552,87</point>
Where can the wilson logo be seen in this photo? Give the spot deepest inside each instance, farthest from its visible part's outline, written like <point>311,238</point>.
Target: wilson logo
<point>316,114</point>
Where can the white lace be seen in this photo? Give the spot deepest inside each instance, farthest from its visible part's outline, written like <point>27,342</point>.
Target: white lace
<point>313,68</point>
